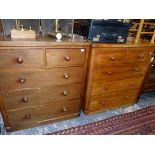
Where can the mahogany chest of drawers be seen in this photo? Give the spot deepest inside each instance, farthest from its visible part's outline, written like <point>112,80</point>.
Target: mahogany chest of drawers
<point>115,75</point>
<point>41,83</point>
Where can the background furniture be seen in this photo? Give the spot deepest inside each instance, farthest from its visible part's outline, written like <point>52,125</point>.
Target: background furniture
<point>115,75</point>
<point>149,83</point>
<point>145,28</point>
<point>41,81</point>
<point>1,28</point>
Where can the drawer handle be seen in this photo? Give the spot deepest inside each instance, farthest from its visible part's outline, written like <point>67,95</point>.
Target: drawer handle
<point>25,99</point>
<point>126,97</point>
<point>28,116</point>
<point>109,72</point>
<point>131,84</point>
<point>64,109</point>
<point>102,102</point>
<point>19,60</point>
<point>67,58</point>
<point>141,56</point>
<point>65,93</point>
<point>112,58</point>
<point>66,76</point>
<point>106,88</point>
<point>136,69</point>
<point>22,80</point>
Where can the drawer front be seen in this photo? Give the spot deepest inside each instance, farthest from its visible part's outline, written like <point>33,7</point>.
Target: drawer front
<point>33,116</point>
<point>21,58</point>
<point>17,79</point>
<point>31,97</point>
<point>110,56</point>
<point>108,101</point>
<point>109,74</point>
<point>139,55</point>
<point>100,87</point>
<point>65,57</point>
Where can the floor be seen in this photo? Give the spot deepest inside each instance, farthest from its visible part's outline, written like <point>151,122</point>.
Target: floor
<point>146,99</point>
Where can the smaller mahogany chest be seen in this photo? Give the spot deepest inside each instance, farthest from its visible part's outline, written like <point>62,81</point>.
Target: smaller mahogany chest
<point>115,75</point>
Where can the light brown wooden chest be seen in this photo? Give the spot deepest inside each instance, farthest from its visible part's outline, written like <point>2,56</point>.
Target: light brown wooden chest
<point>40,85</point>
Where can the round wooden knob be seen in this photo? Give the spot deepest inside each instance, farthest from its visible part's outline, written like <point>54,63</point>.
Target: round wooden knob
<point>131,84</point>
<point>28,116</point>
<point>64,109</point>
<point>135,69</point>
<point>19,60</point>
<point>25,99</point>
<point>22,80</point>
<point>65,93</point>
<point>67,58</point>
<point>141,56</point>
<point>102,102</point>
<point>106,88</point>
<point>126,97</point>
<point>112,58</point>
<point>109,72</point>
<point>66,76</point>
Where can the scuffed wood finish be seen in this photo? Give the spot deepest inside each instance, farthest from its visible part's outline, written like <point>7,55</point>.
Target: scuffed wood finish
<point>41,95</point>
<point>37,84</point>
<point>33,116</point>
<point>115,75</point>
<point>29,78</point>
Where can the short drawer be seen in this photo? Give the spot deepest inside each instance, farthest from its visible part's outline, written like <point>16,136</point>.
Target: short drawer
<point>108,74</point>
<point>17,79</point>
<point>31,97</point>
<point>20,58</point>
<point>112,100</point>
<point>100,87</point>
<point>33,116</point>
<point>110,56</point>
<point>139,55</point>
<point>65,57</point>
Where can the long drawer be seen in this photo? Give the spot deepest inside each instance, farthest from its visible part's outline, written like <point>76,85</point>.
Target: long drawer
<point>119,72</point>
<point>33,116</point>
<point>28,78</point>
<point>19,58</point>
<point>36,96</point>
<point>65,57</point>
<point>100,87</point>
<point>117,56</point>
<point>112,100</point>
